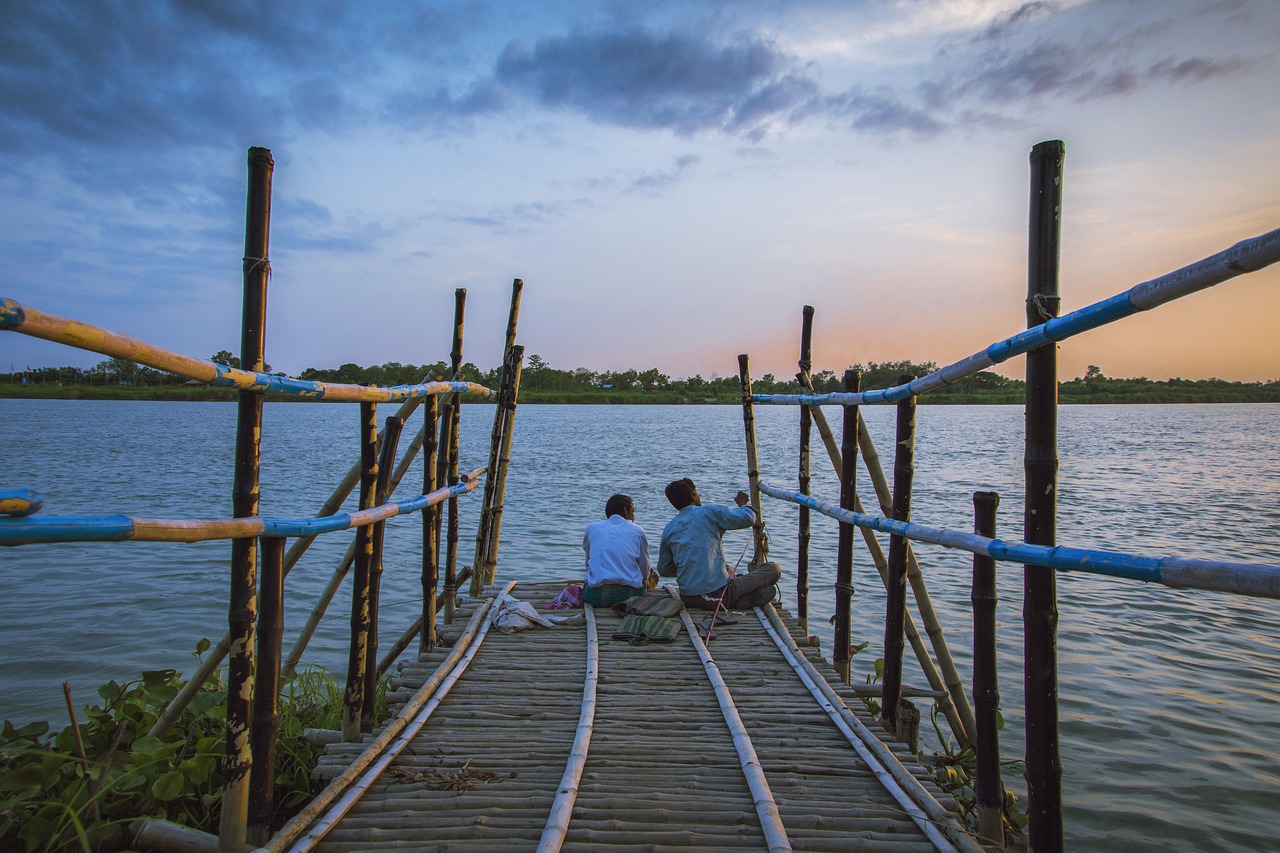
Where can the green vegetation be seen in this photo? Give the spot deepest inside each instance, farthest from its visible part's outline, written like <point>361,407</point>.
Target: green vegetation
<point>118,379</point>
<point>52,799</point>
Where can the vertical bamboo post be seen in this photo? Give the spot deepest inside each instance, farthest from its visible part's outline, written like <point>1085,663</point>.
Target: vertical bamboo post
<point>841,654</point>
<point>806,431</point>
<point>266,690</point>
<point>455,419</point>
<point>348,559</point>
<point>495,444</point>
<point>904,460</point>
<point>386,464</point>
<point>954,706</point>
<point>1040,596</point>
<point>242,610</point>
<point>215,655</point>
<point>430,545</point>
<point>515,364</point>
<point>355,698</point>
<point>753,463</point>
<point>988,787</point>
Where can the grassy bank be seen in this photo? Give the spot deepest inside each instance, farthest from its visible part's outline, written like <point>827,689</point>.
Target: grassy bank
<point>1070,393</point>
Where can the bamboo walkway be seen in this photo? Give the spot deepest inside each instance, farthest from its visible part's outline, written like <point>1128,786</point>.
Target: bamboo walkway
<point>663,770</point>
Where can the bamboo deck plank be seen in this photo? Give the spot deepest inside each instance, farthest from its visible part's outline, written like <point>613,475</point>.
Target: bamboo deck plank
<point>661,773</point>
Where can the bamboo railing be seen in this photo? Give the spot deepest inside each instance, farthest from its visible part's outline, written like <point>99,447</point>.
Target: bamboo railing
<point>256,610</point>
<point>1039,553</point>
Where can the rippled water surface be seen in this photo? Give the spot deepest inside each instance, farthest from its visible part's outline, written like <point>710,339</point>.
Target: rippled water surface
<point>1168,718</point>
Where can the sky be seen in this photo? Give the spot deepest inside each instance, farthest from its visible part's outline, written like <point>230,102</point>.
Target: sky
<point>673,181</point>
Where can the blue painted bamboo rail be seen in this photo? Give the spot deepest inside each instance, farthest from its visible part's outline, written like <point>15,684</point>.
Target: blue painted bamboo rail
<point>1260,581</point>
<point>117,528</point>
<point>1246,256</point>
<point>16,317</point>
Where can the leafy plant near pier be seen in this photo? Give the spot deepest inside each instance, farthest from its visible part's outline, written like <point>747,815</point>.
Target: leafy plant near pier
<point>954,769</point>
<point>51,799</point>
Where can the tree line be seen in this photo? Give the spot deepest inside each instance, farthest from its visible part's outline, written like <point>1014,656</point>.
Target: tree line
<point>540,382</point>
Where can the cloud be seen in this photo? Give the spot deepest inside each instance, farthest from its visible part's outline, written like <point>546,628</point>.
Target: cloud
<point>639,78</point>
<point>655,183</point>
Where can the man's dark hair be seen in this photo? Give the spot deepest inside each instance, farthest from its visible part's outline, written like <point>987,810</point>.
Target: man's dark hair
<point>618,505</point>
<point>680,492</point>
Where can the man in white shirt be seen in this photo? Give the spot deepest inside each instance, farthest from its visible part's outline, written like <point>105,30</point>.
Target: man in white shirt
<point>617,553</point>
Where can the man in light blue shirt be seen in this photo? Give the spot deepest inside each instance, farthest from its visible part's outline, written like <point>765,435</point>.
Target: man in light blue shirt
<point>692,551</point>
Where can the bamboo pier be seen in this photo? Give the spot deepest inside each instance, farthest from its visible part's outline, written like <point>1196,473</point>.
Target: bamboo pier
<point>661,771</point>
<point>740,737</point>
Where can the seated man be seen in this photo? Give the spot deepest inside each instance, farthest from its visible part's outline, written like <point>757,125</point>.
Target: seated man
<point>617,555</point>
<point>692,550</point>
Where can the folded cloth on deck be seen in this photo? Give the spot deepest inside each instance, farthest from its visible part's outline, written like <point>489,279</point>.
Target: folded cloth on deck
<point>641,630</point>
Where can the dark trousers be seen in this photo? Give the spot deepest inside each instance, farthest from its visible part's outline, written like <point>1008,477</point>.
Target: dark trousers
<point>742,592</point>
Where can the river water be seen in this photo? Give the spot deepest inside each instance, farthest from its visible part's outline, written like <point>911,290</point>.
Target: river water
<point>1168,718</point>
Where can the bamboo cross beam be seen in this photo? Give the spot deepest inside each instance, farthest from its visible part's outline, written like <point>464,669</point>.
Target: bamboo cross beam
<point>118,528</point>
<point>1246,256</point>
<point>26,320</point>
<point>1251,579</point>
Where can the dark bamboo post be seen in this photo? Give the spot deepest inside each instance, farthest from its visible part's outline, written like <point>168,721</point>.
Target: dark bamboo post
<point>386,464</point>
<point>904,461</point>
<point>753,463</point>
<point>1040,595</point>
<point>430,543</point>
<point>842,655</point>
<point>242,610</point>
<point>988,787</point>
<point>495,445</point>
<point>353,706</point>
<point>266,690</point>
<point>806,431</point>
<point>514,365</point>
<point>455,419</point>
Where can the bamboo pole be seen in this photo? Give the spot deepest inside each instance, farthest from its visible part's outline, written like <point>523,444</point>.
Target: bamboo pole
<point>961,716</point>
<point>410,633</point>
<point>495,444</point>
<point>956,708</point>
<point>841,654</point>
<point>386,463</point>
<point>904,461</point>
<point>557,827</point>
<point>214,657</point>
<point>340,572</point>
<point>775,833</point>
<point>514,366</point>
<point>430,540</point>
<point>988,787</point>
<point>753,463</point>
<point>1040,601</point>
<point>266,690</point>
<point>91,786</point>
<point>806,429</point>
<point>293,830</point>
<point>242,610</point>
<point>455,420</point>
<point>354,699</point>
<point>406,731</point>
<point>906,789</point>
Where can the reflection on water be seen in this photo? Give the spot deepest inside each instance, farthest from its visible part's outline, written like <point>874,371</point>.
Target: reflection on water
<point>1168,725</point>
